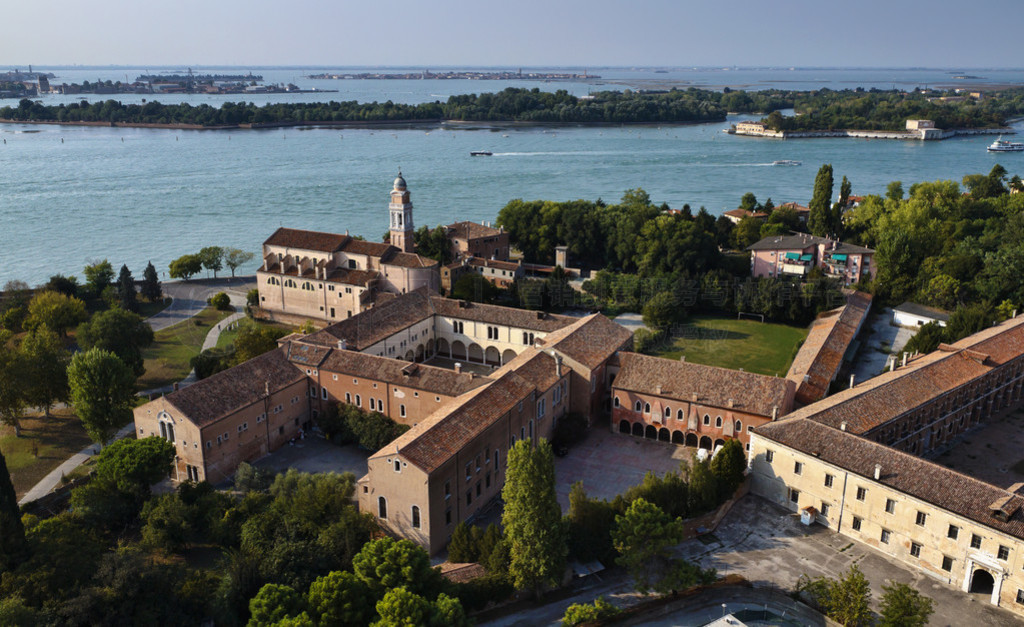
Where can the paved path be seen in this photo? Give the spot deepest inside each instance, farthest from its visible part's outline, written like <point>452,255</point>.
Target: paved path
<point>190,298</point>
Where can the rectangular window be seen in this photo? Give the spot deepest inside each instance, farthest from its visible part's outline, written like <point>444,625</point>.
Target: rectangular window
<point>947,563</point>
<point>886,534</point>
<point>824,509</point>
<point>447,516</point>
<point>798,468</point>
<point>856,523</point>
<point>468,471</point>
<point>953,532</point>
<point>1020,596</point>
<point>915,549</point>
<point>921,518</point>
<point>769,455</point>
<point>469,497</point>
<point>828,481</point>
<point>975,541</point>
<point>1004,552</point>
<point>794,495</point>
<point>447,489</point>
<point>323,393</point>
<point>890,506</point>
<point>861,493</point>
<point>401,410</point>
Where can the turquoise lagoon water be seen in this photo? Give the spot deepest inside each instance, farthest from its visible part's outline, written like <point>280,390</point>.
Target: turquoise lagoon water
<point>72,194</point>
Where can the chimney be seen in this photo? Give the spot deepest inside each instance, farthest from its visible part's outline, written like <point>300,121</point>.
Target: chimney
<point>266,387</point>
<point>842,426</point>
<point>657,389</point>
<point>346,232</point>
<point>852,377</point>
<point>732,403</point>
<point>878,472</point>
<point>342,344</point>
<point>904,359</point>
<point>892,363</point>
<point>1014,313</point>
<point>458,367</point>
<point>558,367</point>
<point>693,397</point>
<point>775,413</point>
<point>682,358</point>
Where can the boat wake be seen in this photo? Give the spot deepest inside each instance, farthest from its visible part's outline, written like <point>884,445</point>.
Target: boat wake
<point>555,153</point>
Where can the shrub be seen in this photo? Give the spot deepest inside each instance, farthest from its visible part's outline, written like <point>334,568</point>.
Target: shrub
<point>211,361</point>
<point>584,612</point>
<point>220,301</point>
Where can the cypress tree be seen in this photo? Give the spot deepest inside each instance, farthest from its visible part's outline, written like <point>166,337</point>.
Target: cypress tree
<point>13,548</point>
<point>151,285</point>
<point>819,220</point>
<point>126,289</point>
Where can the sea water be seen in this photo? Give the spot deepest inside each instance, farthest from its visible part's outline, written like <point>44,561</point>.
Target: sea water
<point>72,194</point>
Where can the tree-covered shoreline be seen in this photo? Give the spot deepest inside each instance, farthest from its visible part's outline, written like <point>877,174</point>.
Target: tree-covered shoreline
<point>510,105</point>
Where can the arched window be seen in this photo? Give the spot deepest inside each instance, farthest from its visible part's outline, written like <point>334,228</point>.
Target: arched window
<point>679,414</point>
<point>639,406</point>
<point>647,408</point>
<point>718,421</point>
<point>668,412</point>
<point>289,283</point>
<point>616,401</point>
<point>739,427</point>
<point>382,507</point>
<point>415,516</point>
<point>707,419</point>
<point>273,281</point>
<point>307,286</point>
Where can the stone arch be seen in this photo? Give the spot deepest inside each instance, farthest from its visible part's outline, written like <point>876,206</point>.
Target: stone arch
<point>664,435</point>
<point>476,353</point>
<point>624,426</point>
<point>458,350</point>
<point>443,347</point>
<point>719,442</point>
<point>638,429</point>
<point>982,581</point>
<point>678,437</point>
<point>705,442</point>
<point>409,355</point>
<point>492,356</point>
<point>691,439</point>
<point>651,433</point>
<point>508,355</point>
<point>420,352</point>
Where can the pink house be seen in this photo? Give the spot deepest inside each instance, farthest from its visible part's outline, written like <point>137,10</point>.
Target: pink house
<point>794,255</point>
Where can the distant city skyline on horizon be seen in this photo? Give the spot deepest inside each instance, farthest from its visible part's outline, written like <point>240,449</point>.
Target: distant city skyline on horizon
<point>570,33</point>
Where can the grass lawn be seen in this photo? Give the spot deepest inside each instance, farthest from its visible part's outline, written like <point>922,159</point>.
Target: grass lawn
<point>228,337</point>
<point>148,309</point>
<point>762,347</point>
<point>54,439</point>
<point>166,360</point>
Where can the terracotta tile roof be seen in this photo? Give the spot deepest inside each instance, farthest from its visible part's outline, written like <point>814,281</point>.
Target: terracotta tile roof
<point>590,341</point>
<point>434,441</point>
<point>306,240</point>
<point>821,354</point>
<point>508,316</point>
<point>224,393</point>
<point>493,263</point>
<point>680,380</point>
<point>462,573</point>
<point>795,207</point>
<point>875,402</point>
<point>408,260</point>
<point>912,475</point>
<point>384,319</point>
<point>743,213</point>
<point>420,376</point>
<point>363,247</point>
<point>361,278</point>
<point>471,230</point>
<point>535,366</point>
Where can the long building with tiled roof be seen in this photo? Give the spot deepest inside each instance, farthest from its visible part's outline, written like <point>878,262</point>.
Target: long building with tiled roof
<point>851,462</point>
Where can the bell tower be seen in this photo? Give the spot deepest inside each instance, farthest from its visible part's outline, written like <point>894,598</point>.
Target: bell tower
<point>400,211</point>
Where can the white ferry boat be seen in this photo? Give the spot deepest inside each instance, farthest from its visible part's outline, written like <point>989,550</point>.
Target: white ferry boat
<point>787,162</point>
<point>1001,145</point>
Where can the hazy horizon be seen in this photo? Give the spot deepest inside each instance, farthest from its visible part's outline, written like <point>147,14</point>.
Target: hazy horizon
<point>533,33</point>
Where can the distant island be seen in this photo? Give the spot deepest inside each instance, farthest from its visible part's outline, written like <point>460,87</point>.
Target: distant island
<point>512,105</point>
<point>460,75</point>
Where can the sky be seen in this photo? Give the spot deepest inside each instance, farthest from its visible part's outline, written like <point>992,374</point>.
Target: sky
<point>529,33</point>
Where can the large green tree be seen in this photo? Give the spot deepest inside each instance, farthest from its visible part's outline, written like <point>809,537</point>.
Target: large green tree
<point>46,368</point>
<point>121,332</point>
<point>102,392</point>
<point>253,340</point>
<point>13,384</point>
<point>185,267</point>
<point>819,221</point>
<point>387,563</point>
<point>98,276</point>
<point>212,258</point>
<point>728,465</point>
<point>902,606</point>
<point>13,548</point>
<point>340,598</point>
<point>532,517</point>
<point>150,288</point>
<point>126,290</point>
<point>55,310</point>
<point>235,258</point>
<point>644,537</point>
